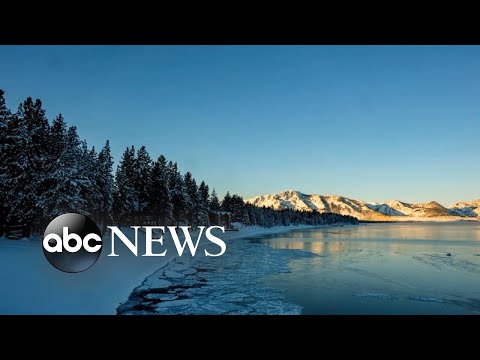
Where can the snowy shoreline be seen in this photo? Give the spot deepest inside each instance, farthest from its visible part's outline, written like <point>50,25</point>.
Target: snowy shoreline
<point>231,284</point>
<point>25,274</point>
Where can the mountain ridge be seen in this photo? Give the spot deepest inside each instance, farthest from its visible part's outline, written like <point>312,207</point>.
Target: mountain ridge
<point>393,210</point>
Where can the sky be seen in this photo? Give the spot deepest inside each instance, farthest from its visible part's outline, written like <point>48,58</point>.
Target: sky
<point>369,122</point>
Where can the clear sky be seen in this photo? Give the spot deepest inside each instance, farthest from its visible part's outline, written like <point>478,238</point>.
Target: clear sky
<point>368,122</point>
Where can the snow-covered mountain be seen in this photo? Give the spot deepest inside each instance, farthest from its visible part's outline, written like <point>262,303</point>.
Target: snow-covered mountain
<point>394,210</point>
<point>467,208</point>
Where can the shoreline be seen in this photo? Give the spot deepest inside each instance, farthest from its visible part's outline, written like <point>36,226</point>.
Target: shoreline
<point>227,285</point>
<point>111,282</point>
<point>107,285</point>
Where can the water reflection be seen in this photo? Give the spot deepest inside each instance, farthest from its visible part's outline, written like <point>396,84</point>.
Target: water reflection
<point>383,268</point>
<point>316,247</point>
<point>396,237</point>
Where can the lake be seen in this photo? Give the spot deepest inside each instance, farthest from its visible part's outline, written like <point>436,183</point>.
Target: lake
<point>394,268</point>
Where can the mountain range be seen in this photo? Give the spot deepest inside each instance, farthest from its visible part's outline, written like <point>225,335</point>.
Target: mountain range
<point>394,210</point>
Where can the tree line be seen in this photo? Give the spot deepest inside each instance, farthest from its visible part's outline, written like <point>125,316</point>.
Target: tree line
<point>46,170</point>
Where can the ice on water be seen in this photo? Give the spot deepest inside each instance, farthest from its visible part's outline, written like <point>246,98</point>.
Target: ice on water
<point>231,284</point>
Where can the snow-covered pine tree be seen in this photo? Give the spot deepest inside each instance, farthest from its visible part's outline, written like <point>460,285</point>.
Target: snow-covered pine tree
<point>192,204</point>
<point>246,217</point>
<point>286,218</point>
<point>27,170</point>
<point>214,203</point>
<point>68,176</point>
<point>90,185</point>
<point>260,216</point>
<point>268,217</point>
<point>178,193</point>
<point>39,129</point>
<point>13,163</point>
<point>227,202</point>
<point>5,118</point>
<point>237,207</point>
<point>105,183</point>
<point>204,199</point>
<point>142,167</point>
<point>57,137</point>
<point>160,205</point>
<point>56,147</point>
<point>251,211</point>
<point>124,195</point>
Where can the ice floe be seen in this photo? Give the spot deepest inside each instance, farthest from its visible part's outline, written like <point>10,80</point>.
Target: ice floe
<point>231,284</point>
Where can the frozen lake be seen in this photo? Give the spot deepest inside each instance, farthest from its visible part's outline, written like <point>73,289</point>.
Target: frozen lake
<point>407,268</point>
<point>364,269</point>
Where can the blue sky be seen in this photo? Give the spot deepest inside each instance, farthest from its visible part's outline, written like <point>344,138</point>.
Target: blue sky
<point>369,122</point>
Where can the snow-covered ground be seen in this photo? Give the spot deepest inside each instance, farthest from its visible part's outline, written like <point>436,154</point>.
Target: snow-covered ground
<point>30,285</point>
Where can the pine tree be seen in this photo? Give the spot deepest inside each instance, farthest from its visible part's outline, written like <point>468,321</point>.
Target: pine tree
<point>214,203</point>
<point>142,167</point>
<point>69,185</point>
<point>160,205</point>
<point>57,147</point>
<point>105,184</point>
<point>5,118</point>
<point>204,199</point>
<point>57,137</point>
<point>124,195</point>
<point>237,207</point>
<point>4,115</point>
<point>27,165</point>
<point>178,193</point>
<point>252,218</point>
<point>192,199</point>
<point>91,173</point>
<point>227,202</point>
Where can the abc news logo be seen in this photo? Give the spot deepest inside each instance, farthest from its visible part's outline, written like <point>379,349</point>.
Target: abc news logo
<point>73,243</point>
